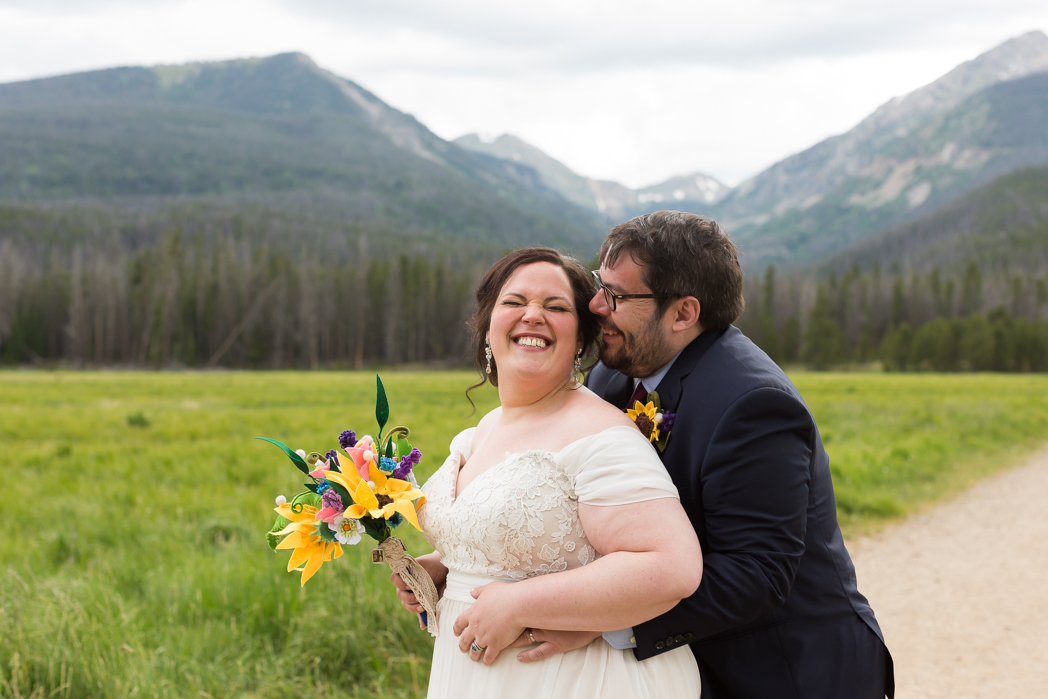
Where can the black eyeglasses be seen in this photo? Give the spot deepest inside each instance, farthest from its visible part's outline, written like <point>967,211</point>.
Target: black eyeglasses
<point>613,298</point>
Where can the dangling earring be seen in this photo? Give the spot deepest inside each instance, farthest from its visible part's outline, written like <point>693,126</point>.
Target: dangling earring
<point>487,353</point>
<point>578,367</point>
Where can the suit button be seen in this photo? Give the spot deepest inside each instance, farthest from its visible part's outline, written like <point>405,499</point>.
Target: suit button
<point>669,640</point>
<point>687,636</point>
<point>679,638</point>
<point>659,645</point>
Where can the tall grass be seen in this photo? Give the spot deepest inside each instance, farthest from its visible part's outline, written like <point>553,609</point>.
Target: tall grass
<point>899,442</point>
<point>133,561</point>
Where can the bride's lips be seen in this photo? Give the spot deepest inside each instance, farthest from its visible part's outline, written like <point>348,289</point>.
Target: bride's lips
<point>531,341</point>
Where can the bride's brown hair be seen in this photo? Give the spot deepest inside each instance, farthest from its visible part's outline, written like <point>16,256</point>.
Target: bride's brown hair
<point>582,289</point>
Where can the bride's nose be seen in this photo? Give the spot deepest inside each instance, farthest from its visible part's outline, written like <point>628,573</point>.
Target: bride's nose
<point>534,313</point>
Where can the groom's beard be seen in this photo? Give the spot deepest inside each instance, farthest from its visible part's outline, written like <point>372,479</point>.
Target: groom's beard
<point>639,355</point>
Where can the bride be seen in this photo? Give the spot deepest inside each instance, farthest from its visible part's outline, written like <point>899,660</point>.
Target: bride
<point>553,481</point>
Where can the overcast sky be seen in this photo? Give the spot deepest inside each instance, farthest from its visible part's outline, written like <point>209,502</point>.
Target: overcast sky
<point>617,89</point>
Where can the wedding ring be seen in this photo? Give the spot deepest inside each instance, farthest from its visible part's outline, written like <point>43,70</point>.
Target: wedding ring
<point>474,647</point>
<point>531,635</point>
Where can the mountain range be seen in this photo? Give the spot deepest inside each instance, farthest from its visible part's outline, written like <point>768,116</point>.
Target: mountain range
<point>616,201</point>
<point>290,147</point>
<point>277,132</point>
<point>911,156</point>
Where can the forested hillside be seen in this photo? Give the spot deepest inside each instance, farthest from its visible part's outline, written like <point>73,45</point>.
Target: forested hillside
<point>265,213</point>
<point>961,288</point>
<point>258,212</point>
<point>1002,225</point>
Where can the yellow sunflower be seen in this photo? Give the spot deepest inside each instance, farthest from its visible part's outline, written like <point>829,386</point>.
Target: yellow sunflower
<point>390,496</point>
<point>302,536</point>
<point>644,416</point>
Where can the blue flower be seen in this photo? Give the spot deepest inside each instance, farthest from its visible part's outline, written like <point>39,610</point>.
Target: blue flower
<point>323,487</point>
<point>387,465</point>
<point>395,521</point>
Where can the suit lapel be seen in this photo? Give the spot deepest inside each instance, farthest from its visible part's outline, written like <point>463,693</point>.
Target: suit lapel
<point>669,389</point>
<point>619,390</point>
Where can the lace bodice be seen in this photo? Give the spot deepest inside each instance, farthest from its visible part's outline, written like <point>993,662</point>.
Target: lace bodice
<point>519,518</point>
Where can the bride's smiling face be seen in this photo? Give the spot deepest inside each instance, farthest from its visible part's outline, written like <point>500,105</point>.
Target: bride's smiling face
<point>534,331</point>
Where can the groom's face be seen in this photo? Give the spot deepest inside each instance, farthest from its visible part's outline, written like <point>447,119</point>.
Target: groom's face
<point>635,339</point>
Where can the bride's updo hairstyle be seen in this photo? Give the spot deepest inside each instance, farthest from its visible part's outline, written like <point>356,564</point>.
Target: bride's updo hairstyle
<point>582,288</point>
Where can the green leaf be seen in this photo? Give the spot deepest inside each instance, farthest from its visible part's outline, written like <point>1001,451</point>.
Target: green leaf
<point>271,537</point>
<point>381,405</point>
<point>311,499</point>
<point>403,447</point>
<point>325,532</point>
<point>376,529</point>
<point>389,448</point>
<point>295,458</point>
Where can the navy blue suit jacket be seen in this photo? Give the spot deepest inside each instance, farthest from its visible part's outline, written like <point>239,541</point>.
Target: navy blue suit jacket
<point>777,613</point>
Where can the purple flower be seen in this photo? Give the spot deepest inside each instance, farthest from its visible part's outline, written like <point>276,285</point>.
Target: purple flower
<point>331,499</point>
<point>347,439</point>
<point>407,463</point>
<point>332,458</point>
<point>667,421</point>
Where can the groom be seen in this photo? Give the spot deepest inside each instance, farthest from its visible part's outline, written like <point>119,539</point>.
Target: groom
<point>777,613</point>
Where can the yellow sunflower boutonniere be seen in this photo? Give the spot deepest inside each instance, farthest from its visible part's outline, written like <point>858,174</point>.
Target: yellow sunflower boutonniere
<point>652,421</point>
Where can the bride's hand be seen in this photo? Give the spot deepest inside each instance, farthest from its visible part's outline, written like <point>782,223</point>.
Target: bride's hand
<point>431,563</point>
<point>488,622</point>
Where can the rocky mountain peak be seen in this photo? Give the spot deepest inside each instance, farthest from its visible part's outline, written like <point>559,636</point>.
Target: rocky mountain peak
<point>1013,59</point>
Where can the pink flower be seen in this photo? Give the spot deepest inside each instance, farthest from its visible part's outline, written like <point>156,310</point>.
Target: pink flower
<point>321,467</point>
<point>333,506</point>
<point>360,461</point>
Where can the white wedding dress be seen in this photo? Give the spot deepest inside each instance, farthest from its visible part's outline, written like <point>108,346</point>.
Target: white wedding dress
<point>519,519</point>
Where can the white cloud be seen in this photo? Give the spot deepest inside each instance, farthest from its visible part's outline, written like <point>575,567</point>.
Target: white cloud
<point>617,89</point>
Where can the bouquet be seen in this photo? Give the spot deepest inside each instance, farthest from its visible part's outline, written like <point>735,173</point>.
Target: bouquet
<point>369,489</point>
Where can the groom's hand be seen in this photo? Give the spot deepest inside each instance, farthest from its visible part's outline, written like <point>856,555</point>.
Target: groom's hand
<point>551,643</point>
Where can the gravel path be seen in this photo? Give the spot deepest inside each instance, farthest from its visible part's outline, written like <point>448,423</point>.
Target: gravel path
<point>961,592</point>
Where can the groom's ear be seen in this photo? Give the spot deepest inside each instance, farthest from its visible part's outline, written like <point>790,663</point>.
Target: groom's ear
<point>685,314</point>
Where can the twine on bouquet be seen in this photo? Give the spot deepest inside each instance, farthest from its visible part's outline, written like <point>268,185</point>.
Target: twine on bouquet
<point>393,553</point>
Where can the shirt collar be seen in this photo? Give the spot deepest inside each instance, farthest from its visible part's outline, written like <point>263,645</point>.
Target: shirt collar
<point>652,382</point>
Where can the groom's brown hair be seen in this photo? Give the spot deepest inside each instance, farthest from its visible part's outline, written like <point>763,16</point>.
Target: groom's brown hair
<point>683,255</point>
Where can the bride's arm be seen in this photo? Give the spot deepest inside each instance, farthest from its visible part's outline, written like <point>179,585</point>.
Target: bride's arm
<point>650,561</point>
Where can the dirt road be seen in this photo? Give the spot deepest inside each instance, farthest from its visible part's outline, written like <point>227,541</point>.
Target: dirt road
<point>961,592</point>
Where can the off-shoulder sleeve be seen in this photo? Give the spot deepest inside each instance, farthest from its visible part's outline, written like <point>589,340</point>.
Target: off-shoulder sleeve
<point>462,444</point>
<point>616,467</point>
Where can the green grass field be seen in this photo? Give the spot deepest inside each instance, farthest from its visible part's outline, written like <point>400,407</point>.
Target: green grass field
<point>134,508</point>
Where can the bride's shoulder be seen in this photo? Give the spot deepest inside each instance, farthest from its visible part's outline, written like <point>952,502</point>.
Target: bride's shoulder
<point>593,414</point>
<point>486,424</point>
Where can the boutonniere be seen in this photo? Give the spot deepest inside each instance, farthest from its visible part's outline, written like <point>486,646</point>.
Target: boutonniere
<point>652,421</point>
